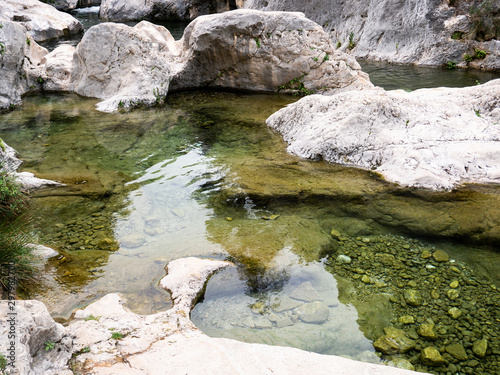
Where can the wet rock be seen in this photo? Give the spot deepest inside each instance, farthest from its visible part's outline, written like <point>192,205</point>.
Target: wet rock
<point>413,297</point>
<point>455,312</point>
<point>440,256</point>
<point>427,331</point>
<point>108,244</point>
<point>285,304</point>
<point>407,319</point>
<point>284,322</point>
<point>454,284</point>
<point>305,292</point>
<point>314,312</point>
<point>262,323</point>
<point>430,356</point>
<point>41,20</point>
<point>426,254</point>
<point>457,351</point>
<point>132,241</point>
<point>452,294</point>
<point>479,348</point>
<point>401,363</point>
<point>335,234</point>
<point>393,134</point>
<point>344,259</point>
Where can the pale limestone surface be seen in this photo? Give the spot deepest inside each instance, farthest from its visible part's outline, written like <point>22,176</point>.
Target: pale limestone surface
<point>126,66</point>
<point>186,10</point>
<point>403,31</point>
<point>245,49</point>
<point>163,343</point>
<point>262,51</point>
<point>431,138</point>
<point>41,20</point>
<point>20,63</point>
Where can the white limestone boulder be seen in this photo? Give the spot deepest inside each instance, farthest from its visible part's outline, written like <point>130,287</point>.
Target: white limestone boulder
<point>185,10</point>
<point>263,51</point>
<point>431,138</point>
<point>41,20</point>
<point>125,66</point>
<point>64,5</point>
<point>20,61</point>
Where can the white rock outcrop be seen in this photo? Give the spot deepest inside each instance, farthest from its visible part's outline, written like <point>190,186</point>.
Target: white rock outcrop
<point>263,51</point>
<point>30,327</point>
<point>244,49</point>
<point>431,138</point>
<point>10,163</point>
<point>126,66</point>
<point>41,20</point>
<point>185,10</point>
<point>20,62</point>
<point>403,31</point>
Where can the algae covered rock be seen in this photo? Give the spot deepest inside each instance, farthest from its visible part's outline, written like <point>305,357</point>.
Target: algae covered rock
<point>430,356</point>
<point>413,297</point>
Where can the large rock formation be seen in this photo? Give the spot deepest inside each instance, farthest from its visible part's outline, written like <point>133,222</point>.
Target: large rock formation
<point>263,51</point>
<point>244,49</point>
<point>113,340</point>
<point>128,66</point>
<point>20,59</point>
<point>432,138</point>
<point>185,10</point>
<point>41,20</point>
<point>405,31</point>
<point>66,5</point>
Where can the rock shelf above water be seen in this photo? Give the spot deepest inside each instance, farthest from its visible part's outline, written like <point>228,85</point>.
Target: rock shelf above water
<point>430,138</point>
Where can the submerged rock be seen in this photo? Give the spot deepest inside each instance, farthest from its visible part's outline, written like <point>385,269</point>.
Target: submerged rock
<point>430,356</point>
<point>432,138</point>
<point>41,20</point>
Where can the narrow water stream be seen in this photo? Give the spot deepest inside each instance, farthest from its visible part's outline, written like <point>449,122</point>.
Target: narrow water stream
<point>324,254</point>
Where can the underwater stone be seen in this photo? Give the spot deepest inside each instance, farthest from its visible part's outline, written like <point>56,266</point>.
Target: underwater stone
<point>479,348</point>
<point>455,312</point>
<point>314,312</point>
<point>457,351</point>
<point>344,259</point>
<point>401,363</point>
<point>285,304</point>
<point>407,319</point>
<point>305,292</point>
<point>427,330</point>
<point>413,297</point>
<point>452,294</point>
<point>335,234</point>
<point>454,284</point>
<point>440,256</point>
<point>430,356</point>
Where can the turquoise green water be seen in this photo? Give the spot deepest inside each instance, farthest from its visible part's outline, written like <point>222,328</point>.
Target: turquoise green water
<point>203,176</point>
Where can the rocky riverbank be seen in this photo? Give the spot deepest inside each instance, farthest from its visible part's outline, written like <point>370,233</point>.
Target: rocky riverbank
<point>105,338</point>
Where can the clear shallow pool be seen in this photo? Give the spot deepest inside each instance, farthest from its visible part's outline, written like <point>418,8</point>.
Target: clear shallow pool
<point>204,176</point>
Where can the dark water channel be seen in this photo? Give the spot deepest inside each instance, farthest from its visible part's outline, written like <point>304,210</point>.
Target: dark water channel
<point>326,256</point>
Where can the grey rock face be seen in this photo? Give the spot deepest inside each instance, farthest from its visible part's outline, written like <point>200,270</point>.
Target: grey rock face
<point>403,31</point>
<point>20,63</point>
<point>63,5</point>
<point>41,20</point>
<point>185,10</point>
<point>433,138</point>
<point>263,51</point>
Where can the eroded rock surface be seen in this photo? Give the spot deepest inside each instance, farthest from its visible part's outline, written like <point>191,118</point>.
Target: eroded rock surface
<point>20,58</point>
<point>41,20</point>
<point>432,138</point>
<point>186,10</point>
<point>405,31</point>
<point>263,51</point>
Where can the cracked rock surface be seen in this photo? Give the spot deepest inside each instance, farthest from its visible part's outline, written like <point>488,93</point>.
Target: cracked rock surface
<point>431,138</point>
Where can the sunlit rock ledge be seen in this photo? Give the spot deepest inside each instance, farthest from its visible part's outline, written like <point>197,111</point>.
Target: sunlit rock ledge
<point>430,138</point>
<point>105,338</point>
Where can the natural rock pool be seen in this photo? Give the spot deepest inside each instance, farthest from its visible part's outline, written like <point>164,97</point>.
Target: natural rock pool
<point>324,253</point>
<point>328,258</point>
